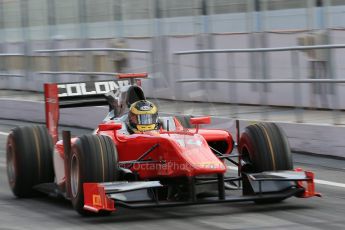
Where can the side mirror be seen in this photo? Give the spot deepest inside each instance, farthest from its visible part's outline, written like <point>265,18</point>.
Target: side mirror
<point>109,126</point>
<point>200,121</point>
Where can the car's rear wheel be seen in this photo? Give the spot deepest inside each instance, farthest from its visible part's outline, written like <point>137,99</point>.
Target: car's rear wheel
<point>264,147</point>
<point>29,161</point>
<point>93,159</point>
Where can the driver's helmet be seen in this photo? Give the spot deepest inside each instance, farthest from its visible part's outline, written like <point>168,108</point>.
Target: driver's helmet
<point>143,116</point>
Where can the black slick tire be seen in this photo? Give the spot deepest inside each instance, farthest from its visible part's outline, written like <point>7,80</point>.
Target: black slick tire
<point>93,159</point>
<point>29,154</point>
<point>265,147</point>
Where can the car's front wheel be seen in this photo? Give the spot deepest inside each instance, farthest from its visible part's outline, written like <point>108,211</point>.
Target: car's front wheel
<point>264,147</point>
<point>93,159</point>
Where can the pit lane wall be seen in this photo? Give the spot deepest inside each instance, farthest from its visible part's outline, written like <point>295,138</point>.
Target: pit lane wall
<point>165,73</point>
<point>308,138</point>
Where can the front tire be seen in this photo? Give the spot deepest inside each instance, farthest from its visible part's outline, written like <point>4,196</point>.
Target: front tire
<point>29,160</point>
<point>264,147</point>
<point>93,159</point>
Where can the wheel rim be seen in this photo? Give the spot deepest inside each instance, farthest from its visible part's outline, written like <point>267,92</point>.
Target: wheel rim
<point>11,164</point>
<point>246,161</point>
<point>74,176</point>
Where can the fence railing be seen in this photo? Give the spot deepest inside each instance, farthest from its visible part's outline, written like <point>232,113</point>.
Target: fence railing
<point>263,95</point>
<point>93,49</point>
<point>11,75</point>
<point>55,69</point>
<point>256,50</point>
<point>56,65</point>
<point>11,54</point>
<point>297,90</point>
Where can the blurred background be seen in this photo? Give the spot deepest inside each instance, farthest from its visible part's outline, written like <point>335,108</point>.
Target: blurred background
<point>78,40</point>
<point>273,60</point>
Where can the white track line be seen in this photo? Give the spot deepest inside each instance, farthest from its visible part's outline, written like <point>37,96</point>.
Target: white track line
<point>330,183</point>
<point>23,100</point>
<point>5,134</point>
<point>323,182</point>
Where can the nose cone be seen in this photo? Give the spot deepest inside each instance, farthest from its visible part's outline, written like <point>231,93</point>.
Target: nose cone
<point>203,161</point>
<point>197,156</point>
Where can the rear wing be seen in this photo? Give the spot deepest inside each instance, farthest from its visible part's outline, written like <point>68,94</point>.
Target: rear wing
<point>81,94</point>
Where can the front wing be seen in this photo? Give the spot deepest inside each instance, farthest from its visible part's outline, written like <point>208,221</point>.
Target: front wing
<point>277,185</point>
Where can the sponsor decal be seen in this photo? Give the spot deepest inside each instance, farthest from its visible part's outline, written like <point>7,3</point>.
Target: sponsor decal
<point>89,88</point>
<point>209,165</point>
<point>96,200</point>
<point>189,142</point>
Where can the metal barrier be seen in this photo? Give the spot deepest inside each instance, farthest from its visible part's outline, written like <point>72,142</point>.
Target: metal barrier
<point>259,50</point>
<point>93,49</point>
<point>77,73</point>
<point>55,67</point>
<point>10,54</point>
<point>11,75</point>
<point>89,73</point>
<point>294,60</point>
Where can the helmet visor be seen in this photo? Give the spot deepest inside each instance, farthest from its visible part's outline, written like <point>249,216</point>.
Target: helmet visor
<point>147,119</point>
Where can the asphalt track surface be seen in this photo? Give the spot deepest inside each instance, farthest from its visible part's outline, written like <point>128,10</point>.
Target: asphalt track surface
<point>327,212</point>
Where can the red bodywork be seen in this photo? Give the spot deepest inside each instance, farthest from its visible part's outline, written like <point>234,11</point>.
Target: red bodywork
<point>52,109</point>
<point>309,185</point>
<point>179,153</point>
<point>95,198</point>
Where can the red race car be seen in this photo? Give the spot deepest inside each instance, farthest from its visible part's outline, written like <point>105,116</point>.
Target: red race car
<point>167,161</point>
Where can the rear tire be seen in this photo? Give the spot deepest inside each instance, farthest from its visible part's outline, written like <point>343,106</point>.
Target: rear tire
<point>93,159</point>
<point>29,160</point>
<point>264,147</point>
